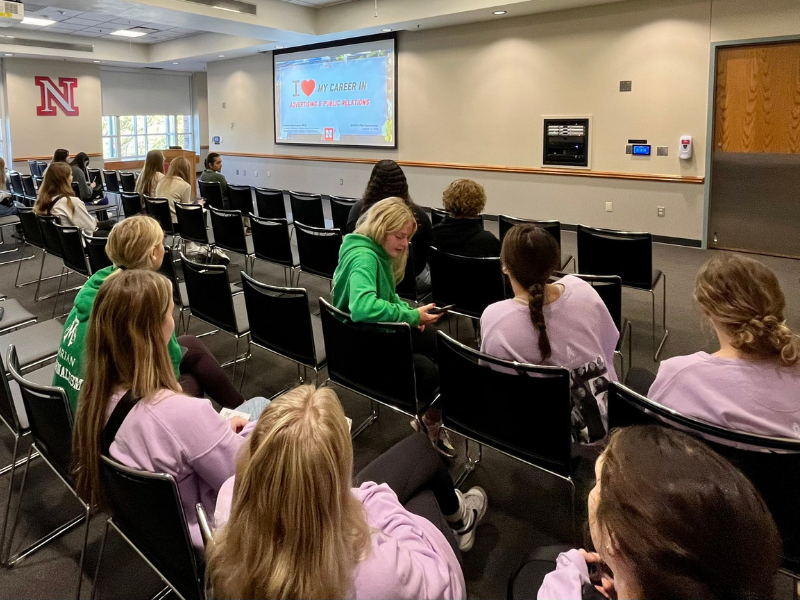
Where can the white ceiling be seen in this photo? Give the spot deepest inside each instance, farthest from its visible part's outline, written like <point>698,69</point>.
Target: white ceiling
<point>318,3</point>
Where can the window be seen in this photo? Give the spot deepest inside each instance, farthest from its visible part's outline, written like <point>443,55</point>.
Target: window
<point>133,136</point>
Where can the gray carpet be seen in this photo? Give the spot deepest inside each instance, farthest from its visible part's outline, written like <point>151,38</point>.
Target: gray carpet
<point>527,508</point>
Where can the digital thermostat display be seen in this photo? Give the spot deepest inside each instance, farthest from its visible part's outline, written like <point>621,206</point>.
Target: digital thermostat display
<point>641,150</point>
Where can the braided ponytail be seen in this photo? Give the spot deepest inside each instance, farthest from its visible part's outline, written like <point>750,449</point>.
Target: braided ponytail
<point>536,306</point>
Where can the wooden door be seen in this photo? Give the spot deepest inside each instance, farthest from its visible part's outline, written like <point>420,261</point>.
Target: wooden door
<point>755,166</point>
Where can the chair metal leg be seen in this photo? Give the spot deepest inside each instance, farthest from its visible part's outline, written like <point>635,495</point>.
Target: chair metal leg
<point>657,351</point>
<point>12,466</point>
<point>469,467</point>
<point>83,552</point>
<point>4,556</point>
<point>39,281</point>
<point>99,562</point>
<point>244,368</point>
<point>58,293</point>
<point>19,266</point>
<point>235,356</point>
<point>367,422</point>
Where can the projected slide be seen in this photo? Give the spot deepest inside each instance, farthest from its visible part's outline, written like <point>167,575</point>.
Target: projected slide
<point>337,96</point>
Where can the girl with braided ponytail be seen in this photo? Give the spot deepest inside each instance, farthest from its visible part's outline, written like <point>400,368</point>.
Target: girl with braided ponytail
<point>563,323</point>
<point>752,383</point>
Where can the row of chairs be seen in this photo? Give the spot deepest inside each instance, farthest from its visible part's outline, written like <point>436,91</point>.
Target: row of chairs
<point>109,180</point>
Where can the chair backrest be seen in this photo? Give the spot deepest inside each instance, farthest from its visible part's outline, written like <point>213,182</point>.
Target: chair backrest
<point>128,181</point>
<point>523,410</point>
<point>73,254</point>
<point>624,253</point>
<point>209,294</point>
<point>16,182</point>
<point>307,209</point>
<point>407,288</point>
<point>771,464</point>
<point>240,197</point>
<point>8,410</point>
<point>49,415</point>
<point>158,208</point>
<point>28,186</point>
<point>374,359</point>
<point>552,227</point>
<point>38,179</point>
<point>212,192</point>
<point>76,189</point>
<point>30,227</point>
<point>131,203</point>
<point>471,284</point>
<point>340,211</point>
<point>609,288</point>
<point>270,203</point>
<point>147,509</point>
<point>437,215</point>
<point>96,251</point>
<point>205,526</point>
<point>318,249</point>
<point>52,243</point>
<point>192,222</point>
<point>228,230</point>
<point>33,166</point>
<point>167,269</point>
<point>271,240</point>
<point>280,319</point>
<point>42,166</point>
<point>111,178</point>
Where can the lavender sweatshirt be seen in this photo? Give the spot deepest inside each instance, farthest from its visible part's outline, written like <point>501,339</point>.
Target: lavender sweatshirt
<point>755,396</point>
<point>410,558</point>
<point>183,437</point>
<point>567,581</point>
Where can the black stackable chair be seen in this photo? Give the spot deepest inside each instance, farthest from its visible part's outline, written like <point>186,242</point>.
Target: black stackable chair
<point>96,252</point>
<point>52,246</point>
<point>240,197</point>
<point>407,288</point>
<point>33,166</point>
<point>272,243</point>
<point>281,322</point>
<point>552,227</point>
<point>270,203</point>
<point>229,234</point>
<point>76,189</point>
<point>437,215</point>
<point>32,237</point>
<point>629,255</point>
<point>772,464</point>
<point>131,203</point>
<point>146,511</point>
<point>212,193</point>
<point>192,224</point>
<point>51,421</point>
<point>111,180</point>
<point>42,167</point>
<point>307,209</point>
<point>375,360</point>
<point>317,249</point>
<point>179,295</point>
<point>15,180</point>
<point>127,182</point>
<point>158,208</point>
<point>470,283</point>
<point>340,211</point>
<point>28,186</point>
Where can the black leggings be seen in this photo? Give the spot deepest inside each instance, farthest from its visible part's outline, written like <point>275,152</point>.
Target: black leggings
<point>201,374</point>
<point>416,473</point>
<point>425,369</point>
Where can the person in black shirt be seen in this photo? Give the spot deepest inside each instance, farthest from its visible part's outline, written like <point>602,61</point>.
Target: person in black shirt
<point>461,232</point>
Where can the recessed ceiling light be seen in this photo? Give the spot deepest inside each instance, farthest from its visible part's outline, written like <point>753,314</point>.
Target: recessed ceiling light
<point>8,54</point>
<point>387,30</point>
<point>499,12</point>
<point>95,61</point>
<point>128,33</point>
<point>278,47</point>
<point>35,21</point>
<point>175,63</point>
<point>220,56</point>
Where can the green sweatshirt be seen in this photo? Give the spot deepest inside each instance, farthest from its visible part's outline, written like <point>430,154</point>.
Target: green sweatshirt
<point>209,176</point>
<point>69,363</point>
<point>364,285</point>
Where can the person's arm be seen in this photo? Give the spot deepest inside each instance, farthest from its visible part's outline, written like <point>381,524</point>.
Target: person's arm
<point>81,218</point>
<point>85,190</point>
<point>364,304</point>
<point>186,194</point>
<point>223,184</point>
<point>567,581</point>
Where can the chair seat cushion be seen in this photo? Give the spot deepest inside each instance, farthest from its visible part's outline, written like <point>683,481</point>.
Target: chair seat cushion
<point>9,220</point>
<point>319,340</point>
<point>34,344</point>
<point>14,315</point>
<point>656,276</point>
<point>242,324</point>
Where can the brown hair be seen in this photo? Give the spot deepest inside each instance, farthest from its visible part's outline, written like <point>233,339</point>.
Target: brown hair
<point>305,541</point>
<point>744,296</point>
<point>60,155</point>
<point>2,173</point>
<point>180,167</point>
<point>464,199</point>
<point>131,242</point>
<point>55,186</point>
<point>154,163</point>
<point>531,256</point>
<point>688,522</point>
<point>125,349</point>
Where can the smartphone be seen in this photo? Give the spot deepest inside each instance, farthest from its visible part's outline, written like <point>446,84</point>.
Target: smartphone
<point>438,310</point>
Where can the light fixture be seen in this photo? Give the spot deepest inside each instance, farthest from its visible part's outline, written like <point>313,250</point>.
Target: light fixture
<point>95,61</point>
<point>176,63</point>
<point>278,47</point>
<point>220,56</point>
<point>37,22</point>
<point>128,33</point>
<point>387,30</point>
<point>8,54</point>
<point>499,12</point>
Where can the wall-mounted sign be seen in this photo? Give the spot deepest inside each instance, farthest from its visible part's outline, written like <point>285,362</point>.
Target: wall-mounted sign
<point>57,96</point>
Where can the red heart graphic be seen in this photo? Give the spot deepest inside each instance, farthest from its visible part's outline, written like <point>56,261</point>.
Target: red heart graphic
<point>308,86</point>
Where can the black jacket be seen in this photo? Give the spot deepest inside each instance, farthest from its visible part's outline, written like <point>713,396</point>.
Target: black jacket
<point>466,237</point>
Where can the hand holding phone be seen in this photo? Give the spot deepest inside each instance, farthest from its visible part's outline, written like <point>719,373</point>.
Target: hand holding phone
<point>440,310</point>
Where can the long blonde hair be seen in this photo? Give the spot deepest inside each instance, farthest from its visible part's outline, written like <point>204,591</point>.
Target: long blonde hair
<point>154,163</point>
<point>384,217</point>
<point>295,529</point>
<point>179,167</point>
<point>55,186</point>
<point>743,295</point>
<point>131,242</point>
<point>125,349</point>
<point>2,174</point>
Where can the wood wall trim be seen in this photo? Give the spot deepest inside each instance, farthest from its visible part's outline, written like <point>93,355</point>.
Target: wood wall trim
<point>50,157</point>
<point>204,147</point>
<point>491,168</point>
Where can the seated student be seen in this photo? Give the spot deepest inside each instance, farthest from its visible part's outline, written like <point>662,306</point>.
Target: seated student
<point>151,175</point>
<point>87,188</point>
<point>670,518</point>
<point>461,231</point>
<point>752,383</point>
<point>60,155</point>
<point>8,206</point>
<point>212,174</point>
<point>561,324</point>
<point>129,374</point>
<point>292,525</point>
<point>56,199</point>
<point>388,181</point>
<point>137,243</point>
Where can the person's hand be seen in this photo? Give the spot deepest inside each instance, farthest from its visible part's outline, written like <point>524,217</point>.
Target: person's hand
<point>425,317</point>
<point>606,586</point>
<point>94,184</point>
<point>237,424</point>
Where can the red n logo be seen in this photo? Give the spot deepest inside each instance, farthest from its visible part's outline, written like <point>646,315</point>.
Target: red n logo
<point>52,96</point>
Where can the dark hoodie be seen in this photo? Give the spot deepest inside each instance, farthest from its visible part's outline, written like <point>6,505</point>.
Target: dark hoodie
<point>465,237</point>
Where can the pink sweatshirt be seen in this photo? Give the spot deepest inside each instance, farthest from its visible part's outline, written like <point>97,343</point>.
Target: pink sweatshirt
<point>567,581</point>
<point>755,396</point>
<point>183,437</point>
<point>410,557</point>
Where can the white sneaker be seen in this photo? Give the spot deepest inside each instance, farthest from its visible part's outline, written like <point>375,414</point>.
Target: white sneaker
<point>475,503</point>
<point>220,255</point>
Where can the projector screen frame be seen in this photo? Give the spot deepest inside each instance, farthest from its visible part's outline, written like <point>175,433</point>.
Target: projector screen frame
<point>333,44</point>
